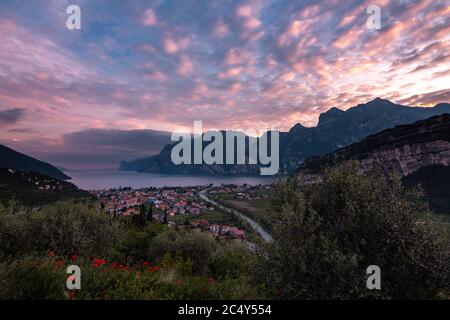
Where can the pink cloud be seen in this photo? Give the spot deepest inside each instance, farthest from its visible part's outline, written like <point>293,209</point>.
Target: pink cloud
<point>252,23</point>
<point>220,29</point>
<point>172,46</point>
<point>244,11</point>
<point>149,18</point>
<point>185,66</point>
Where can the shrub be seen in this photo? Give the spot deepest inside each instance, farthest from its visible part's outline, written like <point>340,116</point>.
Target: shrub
<point>31,278</point>
<point>329,233</point>
<point>195,246</point>
<point>64,227</point>
<point>134,243</point>
<point>232,260</point>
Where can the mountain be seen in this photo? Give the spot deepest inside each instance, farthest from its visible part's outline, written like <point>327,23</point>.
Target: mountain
<point>419,152</point>
<point>336,129</point>
<point>11,159</point>
<point>162,163</point>
<point>35,189</point>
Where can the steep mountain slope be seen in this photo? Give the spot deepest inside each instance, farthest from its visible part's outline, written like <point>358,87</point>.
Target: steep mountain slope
<point>420,152</point>
<point>335,129</point>
<point>11,159</point>
<point>34,189</point>
<point>162,163</point>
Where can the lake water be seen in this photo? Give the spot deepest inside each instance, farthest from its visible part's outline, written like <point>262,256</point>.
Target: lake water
<point>105,179</point>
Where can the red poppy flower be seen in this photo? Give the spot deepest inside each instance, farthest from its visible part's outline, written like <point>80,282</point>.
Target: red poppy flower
<point>74,257</point>
<point>50,253</point>
<point>178,282</point>
<point>146,263</point>
<point>97,263</point>
<point>58,262</point>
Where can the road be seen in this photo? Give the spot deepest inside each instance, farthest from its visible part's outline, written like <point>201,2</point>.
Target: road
<point>263,233</point>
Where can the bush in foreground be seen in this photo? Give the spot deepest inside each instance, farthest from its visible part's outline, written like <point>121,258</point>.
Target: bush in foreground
<point>329,233</point>
<point>117,259</point>
<point>64,227</point>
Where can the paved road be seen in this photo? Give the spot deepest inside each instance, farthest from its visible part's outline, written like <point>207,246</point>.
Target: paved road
<point>263,233</point>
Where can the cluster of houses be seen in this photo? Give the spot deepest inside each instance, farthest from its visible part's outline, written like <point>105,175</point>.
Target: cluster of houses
<point>173,201</point>
<point>242,192</point>
<point>219,230</point>
<point>170,201</point>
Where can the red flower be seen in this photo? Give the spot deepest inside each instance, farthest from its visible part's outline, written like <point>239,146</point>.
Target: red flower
<point>113,265</point>
<point>211,280</point>
<point>58,263</point>
<point>123,267</point>
<point>154,269</point>
<point>146,263</point>
<point>179,282</point>
<point>74,257</point>
<point>50,253</point>
<point>72,294</point>
<point>97,263</point>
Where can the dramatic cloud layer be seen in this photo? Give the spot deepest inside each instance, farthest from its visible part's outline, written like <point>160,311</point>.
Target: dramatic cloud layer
<point>160,65</point>
<point>10,116</point>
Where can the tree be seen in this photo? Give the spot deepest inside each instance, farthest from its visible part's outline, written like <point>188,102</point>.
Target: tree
<point>139,220</point>
<point>165,217</point>
<point>328,233</point>
<point>65,227</point>
<point>149,216</point>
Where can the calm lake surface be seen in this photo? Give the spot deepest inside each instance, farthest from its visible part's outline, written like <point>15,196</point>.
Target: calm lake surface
<point>105,179</point>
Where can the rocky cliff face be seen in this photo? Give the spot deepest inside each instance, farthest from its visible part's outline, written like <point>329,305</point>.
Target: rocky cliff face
<point>409,158</point>
<point>419,152</point>
<point>404,149</point>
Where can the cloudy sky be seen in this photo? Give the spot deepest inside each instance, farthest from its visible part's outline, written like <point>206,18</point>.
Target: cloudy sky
<point>139,69</point>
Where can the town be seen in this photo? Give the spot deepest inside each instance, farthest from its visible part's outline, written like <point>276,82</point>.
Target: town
<point>178,207</point>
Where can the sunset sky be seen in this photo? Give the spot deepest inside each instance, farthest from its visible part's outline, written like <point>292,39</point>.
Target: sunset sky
<point>138,69</point>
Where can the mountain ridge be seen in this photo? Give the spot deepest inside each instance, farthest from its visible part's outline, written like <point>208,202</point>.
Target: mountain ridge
<point>12,159</point>
<point>336,128</point>
<point>418,152</point>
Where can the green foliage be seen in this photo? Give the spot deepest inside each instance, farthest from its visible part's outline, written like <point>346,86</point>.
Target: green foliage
<point>330,232</point>
<point>137,262</point>
<point>31,277</point>
<point>139,220</point>
<point>64,227</point>
<point>232,260</point>
<point>195,246</point>
<point>134,243</point>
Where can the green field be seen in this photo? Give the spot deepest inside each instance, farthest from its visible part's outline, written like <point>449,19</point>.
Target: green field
<point>255,209</point>
<point>213,217</point>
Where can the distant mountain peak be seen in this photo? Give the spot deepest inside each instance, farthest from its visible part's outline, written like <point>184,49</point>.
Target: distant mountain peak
<point>298,127</point>
<point>330,115</point>
<point>442,105</point>
<point>336,129</point>
<point>379,101</point>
